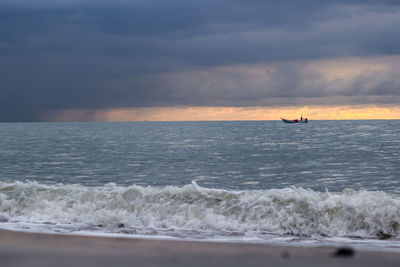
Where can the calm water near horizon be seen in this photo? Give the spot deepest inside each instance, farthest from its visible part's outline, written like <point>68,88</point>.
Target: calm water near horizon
<point>325,182</point>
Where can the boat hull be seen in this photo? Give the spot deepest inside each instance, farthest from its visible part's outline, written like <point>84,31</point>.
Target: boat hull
<point>294,121</point>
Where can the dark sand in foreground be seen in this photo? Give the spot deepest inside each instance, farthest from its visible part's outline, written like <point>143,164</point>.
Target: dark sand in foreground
<point>32,249</point>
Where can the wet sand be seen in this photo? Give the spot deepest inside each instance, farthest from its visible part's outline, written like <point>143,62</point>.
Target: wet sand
<point>34,250</point>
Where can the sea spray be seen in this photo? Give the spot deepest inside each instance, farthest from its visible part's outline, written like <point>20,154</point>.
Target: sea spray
<point>293,211</point>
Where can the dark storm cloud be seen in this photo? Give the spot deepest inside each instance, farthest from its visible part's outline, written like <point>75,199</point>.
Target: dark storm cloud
<point>107,54</point>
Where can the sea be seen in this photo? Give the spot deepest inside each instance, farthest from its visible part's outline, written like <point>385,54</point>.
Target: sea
<point>324,183</point>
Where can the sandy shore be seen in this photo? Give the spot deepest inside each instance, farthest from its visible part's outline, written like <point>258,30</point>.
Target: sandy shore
<point>32,249</point>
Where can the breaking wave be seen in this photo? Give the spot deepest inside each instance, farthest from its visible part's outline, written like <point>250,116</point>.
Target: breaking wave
<point>294,211</point>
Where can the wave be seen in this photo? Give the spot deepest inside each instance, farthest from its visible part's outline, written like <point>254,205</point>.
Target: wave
<point>294,211</point>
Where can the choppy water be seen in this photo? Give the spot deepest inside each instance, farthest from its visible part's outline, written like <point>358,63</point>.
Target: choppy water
<point>325,182</point>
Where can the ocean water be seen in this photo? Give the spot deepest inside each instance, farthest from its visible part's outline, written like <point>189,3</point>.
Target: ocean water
<point>321,183</point>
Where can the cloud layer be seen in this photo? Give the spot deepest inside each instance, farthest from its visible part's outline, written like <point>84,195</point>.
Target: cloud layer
<point>87,54</point>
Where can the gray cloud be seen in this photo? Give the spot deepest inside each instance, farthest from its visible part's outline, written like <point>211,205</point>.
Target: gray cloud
<point>98,54</point>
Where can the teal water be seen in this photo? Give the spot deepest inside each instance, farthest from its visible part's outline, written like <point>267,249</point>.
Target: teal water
<point>320,155</point>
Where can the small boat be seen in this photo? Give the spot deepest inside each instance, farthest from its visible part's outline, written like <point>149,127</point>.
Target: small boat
<point>296,120</point>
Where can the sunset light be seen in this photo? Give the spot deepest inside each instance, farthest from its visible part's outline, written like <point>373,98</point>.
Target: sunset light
<point>225,114</point>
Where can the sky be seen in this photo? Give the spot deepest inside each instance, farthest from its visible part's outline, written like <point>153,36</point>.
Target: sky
<point>122,60</point>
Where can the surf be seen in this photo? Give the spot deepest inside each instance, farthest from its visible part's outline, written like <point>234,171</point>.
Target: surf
<point>285,211</point>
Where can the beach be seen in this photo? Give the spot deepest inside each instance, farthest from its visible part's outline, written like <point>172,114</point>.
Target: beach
<point>38,249</point>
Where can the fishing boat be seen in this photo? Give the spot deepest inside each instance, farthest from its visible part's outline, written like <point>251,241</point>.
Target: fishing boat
<point>296,120</point>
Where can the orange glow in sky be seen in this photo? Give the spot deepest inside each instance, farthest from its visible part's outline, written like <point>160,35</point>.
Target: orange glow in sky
<point>224,113</point>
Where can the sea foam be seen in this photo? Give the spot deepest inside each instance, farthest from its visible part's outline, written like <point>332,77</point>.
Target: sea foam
<point>293,211</point>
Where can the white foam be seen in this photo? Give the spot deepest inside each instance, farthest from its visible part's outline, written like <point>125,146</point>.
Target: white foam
<point>192,210</point>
